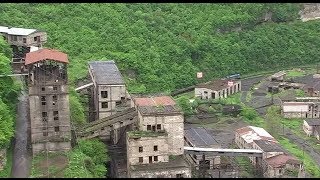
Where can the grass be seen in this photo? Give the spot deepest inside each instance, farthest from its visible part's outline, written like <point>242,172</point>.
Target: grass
<point>294,73</point>
<point>6,172</point>
<point>138,134</point>
<point>245,162</point>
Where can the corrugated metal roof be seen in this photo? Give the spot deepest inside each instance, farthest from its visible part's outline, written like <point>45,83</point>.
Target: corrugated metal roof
<point>106,72</point>
<point>46,54</point>
<point>199,137</point>
<point>17,31</point>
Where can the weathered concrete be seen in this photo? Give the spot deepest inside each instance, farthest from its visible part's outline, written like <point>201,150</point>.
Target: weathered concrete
<point>3,158</point>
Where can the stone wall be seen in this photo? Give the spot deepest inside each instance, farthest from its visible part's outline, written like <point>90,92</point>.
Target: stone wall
<point>3,158</point>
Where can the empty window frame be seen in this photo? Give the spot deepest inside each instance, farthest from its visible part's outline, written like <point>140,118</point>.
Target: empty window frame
<point>179,176</point>
<point>148,127</point>
<point>56,129</point>
<point>155,148</point>
<point>155,158</point>
<point>43,100</point>
<point>55,115</point>
<point>44,116</point>
<point>104,104</point>
<point>55,88</point>
<point>118,103</point>
<point>24,40</point>
<point>15,38</point>
<point>104,94</point>
<point>35,38</point>
<point>153,128</point>
<point>140,159</point>
<point>140,149</point>
<point>158,126</point>
<point>45,133</point>
<point>150,159</point>
<point>43,89</point>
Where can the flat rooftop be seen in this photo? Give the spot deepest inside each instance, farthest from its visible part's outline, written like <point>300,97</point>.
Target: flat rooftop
<point>250,133</point>
<point>106,73</point>
<point>138,134</point>
<point>174,162</point>
<point>160,110</point>
<point>268,146</point>
<point>313,122</point>
<point>17,31</point>
<point>218,84</point>
<point>199,137</point>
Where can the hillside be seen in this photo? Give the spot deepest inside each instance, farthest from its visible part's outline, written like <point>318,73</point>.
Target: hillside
<point>160,47</point>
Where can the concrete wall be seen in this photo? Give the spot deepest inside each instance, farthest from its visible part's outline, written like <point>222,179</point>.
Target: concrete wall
<point>162,173</point>
<point>172,124</point>
<point>147,143</point>
<point>29,39</point>
<point>39,127</point>
<point>308,129</point>
<point>52,147</point>
<point>205,93</point>
<point>307,110</point>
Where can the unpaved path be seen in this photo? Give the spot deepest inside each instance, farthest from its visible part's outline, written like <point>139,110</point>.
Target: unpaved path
<point>21,157</point>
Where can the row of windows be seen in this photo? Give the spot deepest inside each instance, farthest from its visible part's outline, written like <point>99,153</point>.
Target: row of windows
<point>105,105</point>
<point>15,38</point>
<point>155,159</point>
<point>45,116</point>
<point>153,128</point>
<point>155,148</point>
<point>54,100</point>
<point>45,129</point>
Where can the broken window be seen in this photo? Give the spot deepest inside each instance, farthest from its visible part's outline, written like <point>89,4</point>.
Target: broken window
<point>118,103</point>
<point>43,89</point>
<point>140,149</point>
<point>104,94</point>
<point>44,114</point>
<point>55,115</point>
<point>43,100</point>
<point>35,38</point>
<point>238,87</point>
<point>148,127</point>
<point>56,129</point>
<point>150,159</point>
<point>55,88</point>
<point>153,128</point>
<point>15,38</point>
<point>155,158</point>
<point>54,99</point>
<point>140,159</point>
<point>158,126</point>
<point>104,104</point>
<point>24,40</point>
<point>155,148</point>
<point>45,133</point>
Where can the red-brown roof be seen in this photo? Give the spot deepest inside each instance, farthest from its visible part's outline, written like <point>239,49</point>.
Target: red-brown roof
<point>46,54</point>
<point>155,101</point>
<point>243,130</point>
<point>281,160</point>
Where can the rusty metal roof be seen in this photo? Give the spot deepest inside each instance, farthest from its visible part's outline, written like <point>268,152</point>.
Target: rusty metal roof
<point>46,54</point>
<point>281,160</point>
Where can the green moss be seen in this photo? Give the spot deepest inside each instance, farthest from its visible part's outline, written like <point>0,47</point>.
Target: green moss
<point>138,134</point>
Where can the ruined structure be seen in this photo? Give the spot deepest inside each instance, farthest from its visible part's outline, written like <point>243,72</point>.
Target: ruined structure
<point>275,159</point>
<point>296,109</point>
<point>217,89</point>
<point>156,148</point>
<point>22,41</point>
<point>109,94</point>
<point>48,100</point>
<point>199,137</point>
<point>312,127</point>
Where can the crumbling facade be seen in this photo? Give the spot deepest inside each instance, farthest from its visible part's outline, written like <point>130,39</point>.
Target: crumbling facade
<point>48,100</point>
<point>297,109</point>
<point>109,91</point>
<point>217,89</point>
<point>22,41</point>
<point>156,148</point>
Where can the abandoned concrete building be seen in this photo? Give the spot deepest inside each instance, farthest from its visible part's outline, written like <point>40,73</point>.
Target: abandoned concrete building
<point>275,159</point>
<point>199,137</point>
<point>109,94</point>
<point>22,41</point>
<point>156,148</point>
<point>312,127</point>
<point>48,100</point>
<point>217,89</point>
<point>300,109</point>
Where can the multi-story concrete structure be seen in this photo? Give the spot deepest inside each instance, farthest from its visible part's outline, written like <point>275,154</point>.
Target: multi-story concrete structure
<point>217,89</point>
<point>312,127</point>
<point>48,100</point>
<point>156,149</point>
<point>296,109</point>
<point>199,137</point>
<point>275,159</point>
<point>22,41</point>
<point>109,91</point>
<point>23,37</point>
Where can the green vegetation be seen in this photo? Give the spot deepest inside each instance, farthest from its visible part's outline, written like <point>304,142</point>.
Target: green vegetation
<point>294,73</point>
<point>139,134</point>
<point>249,169</point>
<point>185,105</point>
<point>86,160</point>
<point>300,93</point>
<point>6,172</point>
<point>76,109</point>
